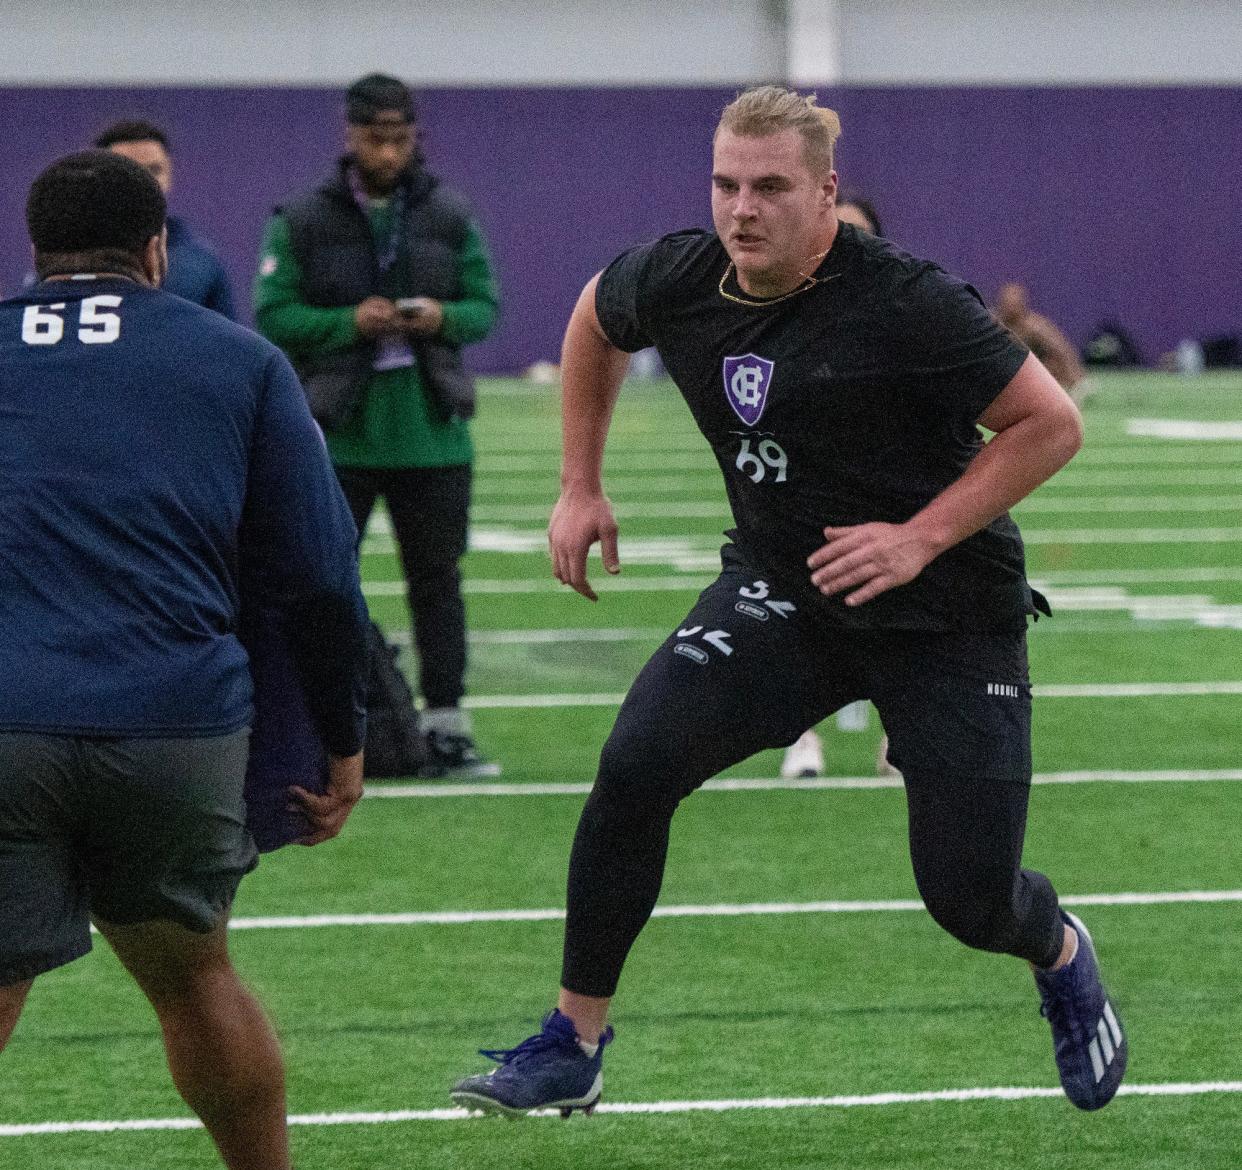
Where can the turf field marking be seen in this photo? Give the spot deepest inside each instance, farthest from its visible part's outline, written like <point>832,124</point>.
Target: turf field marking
<point>702,552</point>
<point>1197,608</point>
<point>1133,536</point>
<point>842,1101</point>
<point>696,581</point>
<point>720,910</point>
<point>1075,479</point>
<point>547,446</point>
<point>492,513</point>
<point>549,637</point>
<point>1045,691</point>
<point>1153,503</point>
<point>1184,428</point>
<point>501,585</point>
<point>621,482</point>
<point>697,459</point>
<point>798,783</point>
<point>1126,577</point>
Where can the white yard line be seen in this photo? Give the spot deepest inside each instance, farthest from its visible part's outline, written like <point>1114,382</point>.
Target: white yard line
<point>1184,428</point>
<point>1073,479</point>
<point>1142,690</point>
<point>1132,536</point>
<point>1126,577</point>
<point>695,457</point>
<point>434,791</point>
<point>718,508</point>
<point>726,1105</point>
<point>701,550</point>
<point>503,585</point>
<point>504,483</point>
<point>718,910</point>
<point>696,581</point>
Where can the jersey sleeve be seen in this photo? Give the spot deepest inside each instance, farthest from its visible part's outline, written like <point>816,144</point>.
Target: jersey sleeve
<point>949,347</point>
<point>298,554</point>
<point>633,287</point>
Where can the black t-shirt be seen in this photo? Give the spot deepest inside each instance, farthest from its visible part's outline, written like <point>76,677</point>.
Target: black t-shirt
<point>853,401</point>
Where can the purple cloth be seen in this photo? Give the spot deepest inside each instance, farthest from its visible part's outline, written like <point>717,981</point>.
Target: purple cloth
<point>285,748</point>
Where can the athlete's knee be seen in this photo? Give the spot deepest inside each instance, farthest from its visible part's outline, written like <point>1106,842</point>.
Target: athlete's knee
<point>980,915</point>
<point>175,967</point>
<point>639,770</point>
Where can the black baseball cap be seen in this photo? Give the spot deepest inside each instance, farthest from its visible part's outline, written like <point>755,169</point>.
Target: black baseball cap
<point>377,94</point>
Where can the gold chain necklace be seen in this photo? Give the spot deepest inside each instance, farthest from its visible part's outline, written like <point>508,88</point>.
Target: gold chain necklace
<point>808,283</point>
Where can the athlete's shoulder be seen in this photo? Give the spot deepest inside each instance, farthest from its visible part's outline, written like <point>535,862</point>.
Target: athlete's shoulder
<point>673,263</point>
<point>882,259</point>
<point>687,253</point>
<point>906,289</point>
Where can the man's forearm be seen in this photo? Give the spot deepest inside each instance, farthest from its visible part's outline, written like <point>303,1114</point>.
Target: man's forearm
<point>591,373</point>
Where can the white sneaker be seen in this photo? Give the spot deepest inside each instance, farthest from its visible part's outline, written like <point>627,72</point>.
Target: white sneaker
<point>803,757</point>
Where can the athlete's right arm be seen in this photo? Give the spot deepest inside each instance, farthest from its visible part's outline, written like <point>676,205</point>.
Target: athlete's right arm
<point>592,369</point>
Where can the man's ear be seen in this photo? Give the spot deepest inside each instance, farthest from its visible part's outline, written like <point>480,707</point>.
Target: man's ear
<point>155,258</point>
<point>830,189</point>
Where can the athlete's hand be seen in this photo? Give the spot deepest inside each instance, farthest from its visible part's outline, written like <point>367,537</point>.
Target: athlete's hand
<point>376,316</point>
<point>578,521</point>
<point>868,559</point>
<point>327,813</point>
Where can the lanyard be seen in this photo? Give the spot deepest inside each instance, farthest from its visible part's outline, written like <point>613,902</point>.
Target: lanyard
<point>386,255</point>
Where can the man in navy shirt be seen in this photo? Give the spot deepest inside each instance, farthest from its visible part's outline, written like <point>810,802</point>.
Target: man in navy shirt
<point>194,269</point>
<point>157,464</point>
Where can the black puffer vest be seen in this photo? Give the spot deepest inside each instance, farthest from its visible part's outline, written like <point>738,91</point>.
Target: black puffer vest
<point>332,242</point>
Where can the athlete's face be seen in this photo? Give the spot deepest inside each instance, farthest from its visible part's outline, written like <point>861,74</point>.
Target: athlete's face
<point>771,211</point>
<point>382,151</point>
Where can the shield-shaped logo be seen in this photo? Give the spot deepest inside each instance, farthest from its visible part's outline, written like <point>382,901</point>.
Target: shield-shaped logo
<point>746,382</point>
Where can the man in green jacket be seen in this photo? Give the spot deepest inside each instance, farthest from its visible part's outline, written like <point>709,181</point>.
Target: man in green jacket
<point>372,283</point>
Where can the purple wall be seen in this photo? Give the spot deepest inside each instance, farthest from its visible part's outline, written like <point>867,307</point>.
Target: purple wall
<point>1105,201</point>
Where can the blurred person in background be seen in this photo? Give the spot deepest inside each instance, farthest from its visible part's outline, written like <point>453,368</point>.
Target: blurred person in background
<point>159,466</point>
<point>194,270</point>
<point>372,283</point>
<point>1042,337</point>
<point>841,385</point>
<point>859,211</point>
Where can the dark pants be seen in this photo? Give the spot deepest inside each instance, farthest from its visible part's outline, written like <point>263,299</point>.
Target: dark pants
<point>747,670</point>
<point>429,508</point>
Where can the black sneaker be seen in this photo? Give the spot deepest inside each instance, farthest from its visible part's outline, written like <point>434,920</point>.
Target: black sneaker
<point>454,754</point>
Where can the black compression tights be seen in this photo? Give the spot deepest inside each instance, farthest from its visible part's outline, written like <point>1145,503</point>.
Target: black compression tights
<point>965,843</point>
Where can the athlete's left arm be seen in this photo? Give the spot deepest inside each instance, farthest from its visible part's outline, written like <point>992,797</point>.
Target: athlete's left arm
<point>1037,432</point>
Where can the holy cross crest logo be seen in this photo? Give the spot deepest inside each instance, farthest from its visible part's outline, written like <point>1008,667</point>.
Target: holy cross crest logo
<point>746,382</point>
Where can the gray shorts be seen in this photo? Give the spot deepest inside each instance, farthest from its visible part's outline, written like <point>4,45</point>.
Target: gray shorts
<point>124,830</point>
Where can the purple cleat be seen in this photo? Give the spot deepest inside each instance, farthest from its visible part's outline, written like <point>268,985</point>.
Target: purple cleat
<point>546,1071</point>
<point>1088,1041</point>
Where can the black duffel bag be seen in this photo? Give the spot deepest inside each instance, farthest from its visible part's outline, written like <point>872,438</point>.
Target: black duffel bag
<point>395,744</point>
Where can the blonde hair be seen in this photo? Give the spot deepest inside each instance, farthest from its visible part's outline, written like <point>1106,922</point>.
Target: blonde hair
<point>769,109</point>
